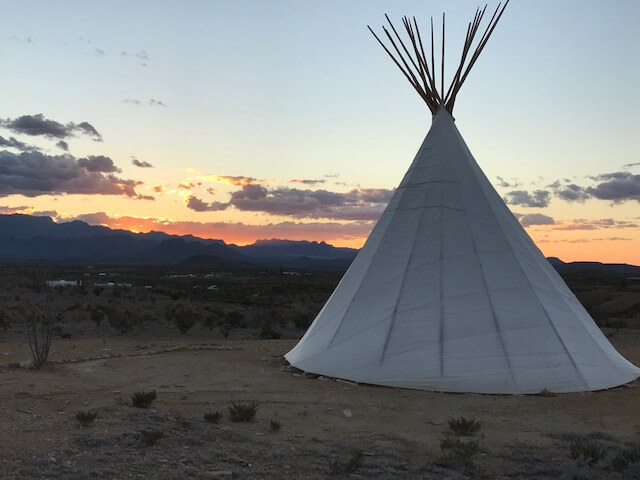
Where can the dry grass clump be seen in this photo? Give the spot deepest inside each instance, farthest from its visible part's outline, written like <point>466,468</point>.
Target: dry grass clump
<point>243,411</point>
<point>213,417</point>
<point>464,427</point>
<point>355,462</point>
<point>143,399</point>
<point>151,437</point>
<point>590,451</point>
<point>86,417</point>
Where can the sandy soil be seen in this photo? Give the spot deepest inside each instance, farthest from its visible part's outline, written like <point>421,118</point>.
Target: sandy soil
<point>398,430</point>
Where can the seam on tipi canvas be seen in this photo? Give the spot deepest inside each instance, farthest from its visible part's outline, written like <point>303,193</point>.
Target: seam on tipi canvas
<point>404,276</point>
<point>581,323</point>
<point>496,323</point>
<point>440,286</point>
<point>373,254</point>
<point>480,179</point>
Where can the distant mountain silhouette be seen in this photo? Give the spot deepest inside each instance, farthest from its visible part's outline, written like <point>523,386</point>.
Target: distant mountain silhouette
<point>621,268</point>
<point>29,239</point>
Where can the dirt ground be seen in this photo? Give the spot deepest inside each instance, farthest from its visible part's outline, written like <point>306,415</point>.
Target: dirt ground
<point>322,420</point>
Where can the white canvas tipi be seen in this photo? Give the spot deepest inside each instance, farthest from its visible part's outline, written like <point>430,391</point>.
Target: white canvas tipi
<point>449,293</point>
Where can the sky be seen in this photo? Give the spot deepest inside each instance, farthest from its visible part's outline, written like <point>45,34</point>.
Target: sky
<point>260,119</point>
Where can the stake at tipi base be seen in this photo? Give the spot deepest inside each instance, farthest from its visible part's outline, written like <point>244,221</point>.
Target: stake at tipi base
<point>449,293</point>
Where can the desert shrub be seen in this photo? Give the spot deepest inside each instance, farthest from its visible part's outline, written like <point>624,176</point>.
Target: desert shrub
<point>590,451</point>
<point>182,316</point>
<point>4,320</point>
<point>143,399</point>
<point>458,454</point>
<point>545,392</point>
<point>39,335</point>
<point>86,417</point>
<point>96,314</point>
<point>213,417</point>
<point>302,320</point>
<point>618,323</point>
<point>121,321</point>
<point>268,332</point>
<point>243,411</point>
<point>464,427</point>
<point>274,426</point>
<point>355,462</point>
<point>65,335</point>
<point>626,457</point>
<point>150,437</point>
<point>232,320</point>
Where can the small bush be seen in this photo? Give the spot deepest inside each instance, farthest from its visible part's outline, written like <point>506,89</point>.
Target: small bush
<point>86,417</point>
<point>590,451</point>
<point>39,335</point>
<point>352,465</point>
<point>463,427</point>
<point>274,426</point>
<point>143,399</point>
<point>626,457</point>
<point>183,317</point>
<point>267,332</point>
<point>121,321</point>
<point>302,320</point>
<point>243,411</point>
<point>233,320</point>
<point>213,417</point>
<point>545,392</point>
<point>458,454</point>
<point>151,437</point>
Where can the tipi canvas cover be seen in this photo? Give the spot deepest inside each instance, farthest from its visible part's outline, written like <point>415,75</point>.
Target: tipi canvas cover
<point>449,293</point>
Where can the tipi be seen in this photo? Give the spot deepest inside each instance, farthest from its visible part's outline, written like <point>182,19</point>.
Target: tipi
<point>449,293</point>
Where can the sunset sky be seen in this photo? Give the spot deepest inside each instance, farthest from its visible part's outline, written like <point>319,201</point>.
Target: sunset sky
<point>284,119</point>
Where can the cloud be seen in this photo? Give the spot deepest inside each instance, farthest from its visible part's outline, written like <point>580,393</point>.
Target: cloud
<point>306,181</point>
<point>502,183</point>
<point>569,192</point>
<point>25,210</point>
<point>34,173</point>
<point>98,52</point>
<point>22,39</point>
<point>152,102</point>
<point>12,142</point>
<point>237,232</point>
<point>98,163</point>
<point>357,204</point>
<point>535,219</point>
<point>594,224</point>
<point>617,187</point>
<point>140,164</point>
<point>631,165</point>
<point>140,55</point>
<point>38,125</point>
<point>189,185</point>
<point>159,188</point>
<point>197,205</point>
<point>63,145</point>
<point>538,198</point>
<point>233,180</point>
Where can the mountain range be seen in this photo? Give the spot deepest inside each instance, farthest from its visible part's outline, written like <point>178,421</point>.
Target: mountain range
<point>30,239</point>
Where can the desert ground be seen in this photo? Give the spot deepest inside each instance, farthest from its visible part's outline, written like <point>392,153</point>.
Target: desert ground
<point>327,428</point>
